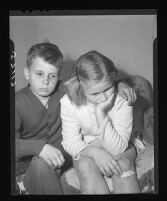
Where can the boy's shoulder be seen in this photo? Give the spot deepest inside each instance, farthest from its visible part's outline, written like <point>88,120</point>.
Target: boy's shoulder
<point>21,94</point>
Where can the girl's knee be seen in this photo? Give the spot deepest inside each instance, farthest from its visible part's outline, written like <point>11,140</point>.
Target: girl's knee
<point>126,164</point>
<point>86,167</point>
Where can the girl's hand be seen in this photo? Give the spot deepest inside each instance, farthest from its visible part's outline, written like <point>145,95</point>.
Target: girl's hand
<point>106,163</point>
<point>127,93</point>
<point>105,105</point>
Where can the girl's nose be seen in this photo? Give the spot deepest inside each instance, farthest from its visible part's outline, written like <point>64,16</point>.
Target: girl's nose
<point>103,97</point>
<point>45,80</point>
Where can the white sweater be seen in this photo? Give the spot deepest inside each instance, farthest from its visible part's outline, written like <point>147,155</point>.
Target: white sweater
<point>79,126</point>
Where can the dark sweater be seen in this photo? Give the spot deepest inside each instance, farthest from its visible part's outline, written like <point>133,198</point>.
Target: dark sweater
<point>35,125</point>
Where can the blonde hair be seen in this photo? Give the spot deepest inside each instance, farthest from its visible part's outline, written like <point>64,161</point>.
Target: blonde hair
<point>91,66</point>
<point>75,91</point>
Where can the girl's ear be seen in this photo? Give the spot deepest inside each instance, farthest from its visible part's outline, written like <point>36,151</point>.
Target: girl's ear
<point>26,73</point>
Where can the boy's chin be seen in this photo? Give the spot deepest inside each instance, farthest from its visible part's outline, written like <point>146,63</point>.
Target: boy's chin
<point>44,94</point>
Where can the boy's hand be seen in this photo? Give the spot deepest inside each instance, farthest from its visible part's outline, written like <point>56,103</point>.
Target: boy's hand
<point>52,156</point>
<point>106,163</point>
<point>127,93</point>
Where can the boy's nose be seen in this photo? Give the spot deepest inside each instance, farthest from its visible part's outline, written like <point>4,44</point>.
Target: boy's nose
<point>45,80</point>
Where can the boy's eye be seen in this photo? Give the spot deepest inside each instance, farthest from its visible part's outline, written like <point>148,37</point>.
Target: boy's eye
<point>52,76</point>
<point>38,73</point>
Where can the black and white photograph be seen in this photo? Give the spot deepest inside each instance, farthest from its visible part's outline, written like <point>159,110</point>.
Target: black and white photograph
<point>82,94</point>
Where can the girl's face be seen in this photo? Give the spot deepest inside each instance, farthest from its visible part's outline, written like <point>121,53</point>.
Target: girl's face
<point>97,93</point>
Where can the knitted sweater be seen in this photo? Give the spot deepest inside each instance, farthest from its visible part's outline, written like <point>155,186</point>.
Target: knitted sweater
<point>79,126</point>
<point>35,125</point>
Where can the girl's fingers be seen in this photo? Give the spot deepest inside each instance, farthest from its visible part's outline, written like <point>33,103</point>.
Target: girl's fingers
<point>102,171</point>
<point>109,171</point>
<point>114,169</point>
<point>117,167</point>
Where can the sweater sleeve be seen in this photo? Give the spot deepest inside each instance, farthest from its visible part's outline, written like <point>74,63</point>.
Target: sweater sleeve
<point>72,139</point>
<point>118,128</point>
<point>25,147</point>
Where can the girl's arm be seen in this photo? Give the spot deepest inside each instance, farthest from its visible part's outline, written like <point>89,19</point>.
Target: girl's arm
<point>116,127</point>
<point>72,139</point>
<point>75,146</point>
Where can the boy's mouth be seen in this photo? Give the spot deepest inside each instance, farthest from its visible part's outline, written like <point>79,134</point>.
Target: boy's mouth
<point>43,89</point>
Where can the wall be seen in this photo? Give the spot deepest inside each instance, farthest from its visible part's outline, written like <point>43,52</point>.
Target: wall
<point>126,39</point>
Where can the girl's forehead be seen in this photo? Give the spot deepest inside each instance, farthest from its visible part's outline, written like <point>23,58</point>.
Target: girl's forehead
<point>93,87</point>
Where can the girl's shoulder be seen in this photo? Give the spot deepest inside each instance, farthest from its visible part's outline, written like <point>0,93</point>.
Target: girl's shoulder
<point>66,103</point>
<point>65,99</point>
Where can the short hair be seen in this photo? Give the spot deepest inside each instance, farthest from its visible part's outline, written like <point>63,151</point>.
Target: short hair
<point>91,66</point>
<point>48,52</point>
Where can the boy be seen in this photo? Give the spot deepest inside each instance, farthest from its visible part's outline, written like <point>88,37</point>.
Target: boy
<point>39,153</point>
<point>37,121</point>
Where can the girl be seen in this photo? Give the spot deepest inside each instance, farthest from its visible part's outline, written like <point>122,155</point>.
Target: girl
<point>96,128</point>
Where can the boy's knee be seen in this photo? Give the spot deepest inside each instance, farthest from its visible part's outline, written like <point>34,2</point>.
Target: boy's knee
<point>86,166</point>
<point>39,165</point>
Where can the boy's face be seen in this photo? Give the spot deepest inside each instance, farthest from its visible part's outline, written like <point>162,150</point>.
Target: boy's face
<point>42,77</point>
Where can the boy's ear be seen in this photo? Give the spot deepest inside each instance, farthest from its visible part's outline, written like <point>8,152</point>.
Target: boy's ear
<point>114,76</point>
<point>26,73</point>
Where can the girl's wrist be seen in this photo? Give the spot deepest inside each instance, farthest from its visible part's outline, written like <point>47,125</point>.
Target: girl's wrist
<point>100,115</point>
<point>89,151</point>
<point>99,110</point>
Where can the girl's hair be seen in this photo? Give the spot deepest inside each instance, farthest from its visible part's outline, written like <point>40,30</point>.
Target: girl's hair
<point>48,52</point>
<point>91,66</point>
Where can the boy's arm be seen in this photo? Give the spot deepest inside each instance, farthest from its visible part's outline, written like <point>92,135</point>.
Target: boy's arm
<point>25,147</point>
<point>28,147</point>
<point>120,77</point>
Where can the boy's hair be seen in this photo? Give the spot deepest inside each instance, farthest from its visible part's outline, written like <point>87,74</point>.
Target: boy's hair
<point>91,66</point>
<point>48,52</point>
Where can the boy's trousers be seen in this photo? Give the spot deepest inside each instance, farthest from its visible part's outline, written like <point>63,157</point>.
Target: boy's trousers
<point>40,179</point>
